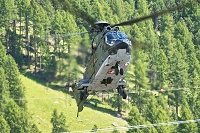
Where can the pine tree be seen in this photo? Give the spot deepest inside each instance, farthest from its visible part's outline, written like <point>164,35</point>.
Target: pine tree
<point>14,113</point>
<point>182,33</point>
<point>2,55</point>
<point>156,5</point>
<point>196,110</point>
<point>197,42</point>
<point>117,7</point>
<point>12,80</point>
<point>7,15</point>
<point>186,114</point>
<point>4,127</point>
<point>117,102</point>
<point>179,69</point>
<point>97,11</point>
<point>4,90</point>
<point>162,70</point>
<point>58,122</point>
<point>156,113</point>
<point>27,13</point>
<point>13,76</point>
<point>34,129</point>
<point>38,19</point>
<point>16,117</point>
<point>135,119</point>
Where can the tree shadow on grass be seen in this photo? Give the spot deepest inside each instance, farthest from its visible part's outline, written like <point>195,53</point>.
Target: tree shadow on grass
<point>92,103</point>
<point>46,83</point>
<point>96,104</point>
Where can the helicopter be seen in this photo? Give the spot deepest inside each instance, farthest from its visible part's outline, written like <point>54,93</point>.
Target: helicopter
<point>110,57</point>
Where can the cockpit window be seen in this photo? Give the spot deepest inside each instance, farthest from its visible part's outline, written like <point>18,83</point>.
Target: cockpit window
<point>116,35</point>
<point>112,36</point>
<point>122,35</point>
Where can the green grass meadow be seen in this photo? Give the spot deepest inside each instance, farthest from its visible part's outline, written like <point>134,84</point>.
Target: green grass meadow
<point>42,100</point>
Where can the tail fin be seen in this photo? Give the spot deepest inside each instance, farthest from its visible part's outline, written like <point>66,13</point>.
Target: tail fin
<point>79,95</point>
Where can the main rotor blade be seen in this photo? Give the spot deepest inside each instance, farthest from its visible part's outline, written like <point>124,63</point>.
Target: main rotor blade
<point>72,34</point>
<point>76,11</point>
<point>155,14</point>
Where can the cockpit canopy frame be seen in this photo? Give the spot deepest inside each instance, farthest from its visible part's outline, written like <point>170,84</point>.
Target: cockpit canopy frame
<point>112,36</point>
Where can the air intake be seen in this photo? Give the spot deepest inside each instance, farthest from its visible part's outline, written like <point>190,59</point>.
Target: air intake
<point>116,28</point>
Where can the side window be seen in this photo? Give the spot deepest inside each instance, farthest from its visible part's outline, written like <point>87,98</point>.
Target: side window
<point>94,45</point>
<point>110,38</point>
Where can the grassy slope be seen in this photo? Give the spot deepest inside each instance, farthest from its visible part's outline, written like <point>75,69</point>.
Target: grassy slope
<point>42,100</point>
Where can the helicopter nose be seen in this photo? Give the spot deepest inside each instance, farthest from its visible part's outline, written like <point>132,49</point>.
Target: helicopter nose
<point>119,44</point>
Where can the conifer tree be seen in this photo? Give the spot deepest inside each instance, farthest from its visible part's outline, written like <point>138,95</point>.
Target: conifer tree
<point>193,92</point>
<point>196,110</point>
<point>58,122</point>
<point>117,7</point>
<point>11,73</point>
<point>140,78</point>
<point>97,11</point>
<point>14,113</point>
<point>182,33</point>
<point>197,42</point>
<point>7,14</point>
<point>135,118</point>
<point>155,113</point>
<point>16,117</point>
<point>34,129</point>
<point>13,76</point>
<point>179,69</point>
<point>47,6</point>
<point>4,91</point>
<point>27,13</point>
<point>186,114</point>
<point>36,40</point>
<point>162,70</point>
<point>4,127</point>
<point>14,39</point>
<point>2,55</point>
<point>156,5</point>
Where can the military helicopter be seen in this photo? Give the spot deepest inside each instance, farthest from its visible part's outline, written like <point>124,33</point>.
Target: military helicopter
<point>110,57</point>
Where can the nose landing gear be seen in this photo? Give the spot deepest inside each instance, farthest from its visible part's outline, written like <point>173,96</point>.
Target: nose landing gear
<point>122,91</point>
<point>118,69</point>
<point>121,71</point>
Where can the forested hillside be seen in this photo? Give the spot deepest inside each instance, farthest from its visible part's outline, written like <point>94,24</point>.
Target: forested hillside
<point>13,114</point>
<point>37,38</point>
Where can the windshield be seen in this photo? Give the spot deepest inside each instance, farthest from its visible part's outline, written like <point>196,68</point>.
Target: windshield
<point>112,36</point>
<point>116,35</point>
<point>122,35</point>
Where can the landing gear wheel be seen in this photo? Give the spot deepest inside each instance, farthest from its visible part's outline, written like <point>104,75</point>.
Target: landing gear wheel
<point>81,95</point>
<point>119,89</point>
<point>116,71</point>
<point>121,71</point>
<point>124,94</point>
<point>85,90</point>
